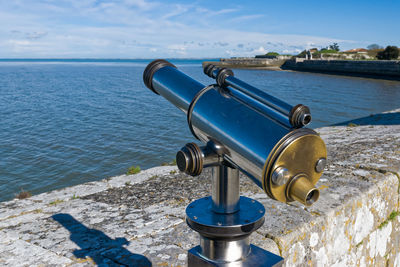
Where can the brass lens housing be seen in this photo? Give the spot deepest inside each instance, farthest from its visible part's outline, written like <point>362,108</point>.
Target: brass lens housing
<point>298,151</point>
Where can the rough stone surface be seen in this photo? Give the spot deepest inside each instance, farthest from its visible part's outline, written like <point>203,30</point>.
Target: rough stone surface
<point>249,63</point>
<point>379,68</point>
<point>137,219</point>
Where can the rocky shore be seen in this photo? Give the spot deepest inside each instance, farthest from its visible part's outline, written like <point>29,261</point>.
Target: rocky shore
<point>138,220</point>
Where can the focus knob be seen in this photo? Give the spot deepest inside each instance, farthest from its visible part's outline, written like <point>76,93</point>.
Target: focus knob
<point>190,160</point>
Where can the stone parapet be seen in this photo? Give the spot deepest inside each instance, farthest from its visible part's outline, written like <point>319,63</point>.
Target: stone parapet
<point>253,63</point>
<point>138,219</point>
<point>382,68</point>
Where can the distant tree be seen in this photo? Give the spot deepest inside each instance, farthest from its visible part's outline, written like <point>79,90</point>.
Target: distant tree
<point>268,55</point>
<point>334,47</point>
<point>374,46</point>
<point>272,54</point>
<point>390,52</point>
<point>327,50</point>
<point>302,54</point>
<point>374,52</point>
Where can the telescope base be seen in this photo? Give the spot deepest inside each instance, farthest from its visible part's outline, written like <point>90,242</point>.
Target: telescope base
<point>257,257</point>
<point>225,237</point>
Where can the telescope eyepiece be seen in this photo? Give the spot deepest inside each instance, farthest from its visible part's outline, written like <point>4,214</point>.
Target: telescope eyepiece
<point>300,116</point>
<point>209,70</point>
<point>222,75</point>
<point>152,68</point>
<point>191,159</point>
<point>301,190</point>
<point>219,74</point>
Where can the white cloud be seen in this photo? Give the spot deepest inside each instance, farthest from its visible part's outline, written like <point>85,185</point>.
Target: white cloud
<point>175,11</point>
<point>35,35</point>
<point>260,50</point>
<point>224,11</point>
<point>135,28</point>
<point>142,4</point>
<point>247,17</point>
<point>19,43</point>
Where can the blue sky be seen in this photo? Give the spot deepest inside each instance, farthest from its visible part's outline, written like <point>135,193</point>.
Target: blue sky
<point>195,29</point>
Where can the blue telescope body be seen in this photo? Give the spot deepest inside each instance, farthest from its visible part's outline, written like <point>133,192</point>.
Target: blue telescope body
<point>260,135</point>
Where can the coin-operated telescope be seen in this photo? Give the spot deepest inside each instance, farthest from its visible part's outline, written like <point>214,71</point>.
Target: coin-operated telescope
<point>247,130</point>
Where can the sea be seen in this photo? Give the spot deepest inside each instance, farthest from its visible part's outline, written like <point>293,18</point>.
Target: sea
<point>65,122</point>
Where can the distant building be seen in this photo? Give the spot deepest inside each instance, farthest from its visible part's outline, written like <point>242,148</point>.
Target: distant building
<point>357,50</point>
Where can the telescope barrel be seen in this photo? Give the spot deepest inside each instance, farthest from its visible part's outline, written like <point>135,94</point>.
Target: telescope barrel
<point>165,79</point>
<point>280,160</point>
<point>290,116</point>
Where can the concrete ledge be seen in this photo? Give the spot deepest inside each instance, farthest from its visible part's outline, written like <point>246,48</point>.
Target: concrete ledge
<point>132,220</point>
<point>249,63</point>
<point>384,69</point>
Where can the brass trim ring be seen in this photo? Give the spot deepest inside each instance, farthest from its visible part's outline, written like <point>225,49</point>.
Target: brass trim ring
<point>275,152</point>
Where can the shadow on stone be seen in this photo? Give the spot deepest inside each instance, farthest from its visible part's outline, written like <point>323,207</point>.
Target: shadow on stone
<point>378,119</point>
<point>103,250</point>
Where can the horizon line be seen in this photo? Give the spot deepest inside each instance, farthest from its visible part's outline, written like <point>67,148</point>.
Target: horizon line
<point>89,58</point>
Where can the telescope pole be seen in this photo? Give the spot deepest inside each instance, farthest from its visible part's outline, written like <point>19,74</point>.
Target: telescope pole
<point>225,189</point>
<point>225,200</point>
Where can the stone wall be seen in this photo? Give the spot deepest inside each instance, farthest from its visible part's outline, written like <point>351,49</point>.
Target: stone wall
<point>137,219</point>
<point>385,68</point>
<point>249,62</point>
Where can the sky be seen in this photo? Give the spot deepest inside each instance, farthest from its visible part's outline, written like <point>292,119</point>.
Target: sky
<point>190,29</point>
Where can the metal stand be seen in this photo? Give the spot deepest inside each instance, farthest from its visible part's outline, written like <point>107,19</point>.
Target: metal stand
<point>224,222</point>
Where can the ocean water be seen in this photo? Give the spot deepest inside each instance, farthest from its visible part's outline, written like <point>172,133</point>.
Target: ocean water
<point>66,122</point>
